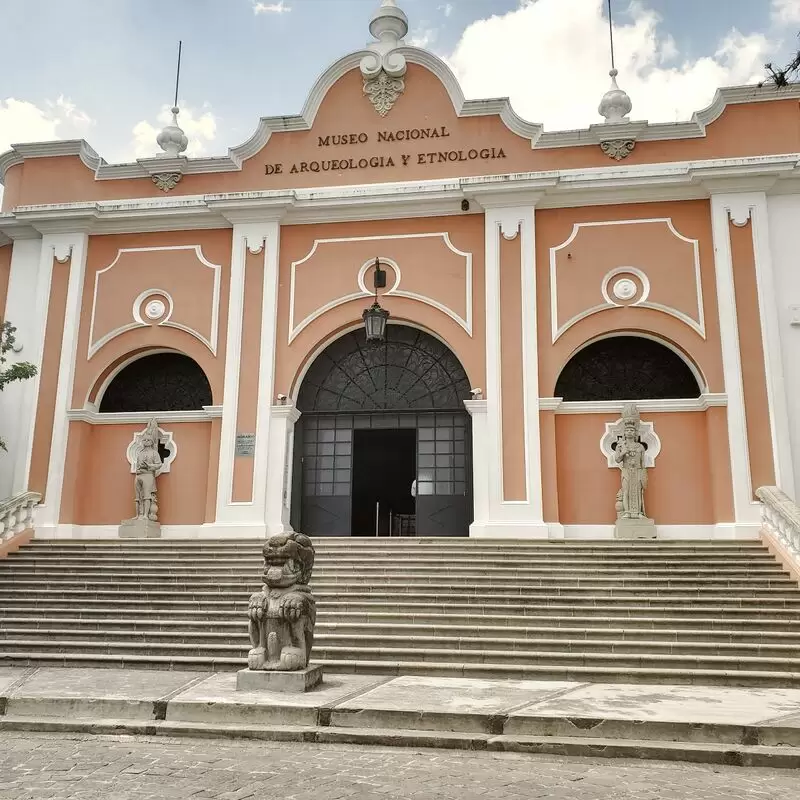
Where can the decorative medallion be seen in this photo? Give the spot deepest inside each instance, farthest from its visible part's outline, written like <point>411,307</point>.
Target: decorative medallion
<point>618,148</point>
<point>383,91</point>
<point>167,180</point>
<point>625,289</point>
<point>155,309</point>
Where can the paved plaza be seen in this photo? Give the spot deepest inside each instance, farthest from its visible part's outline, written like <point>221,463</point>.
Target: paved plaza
<point>83,767</point>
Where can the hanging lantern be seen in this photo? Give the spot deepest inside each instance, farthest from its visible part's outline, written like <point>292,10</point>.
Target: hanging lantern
<point>375,317</point>
<point>375,322</point>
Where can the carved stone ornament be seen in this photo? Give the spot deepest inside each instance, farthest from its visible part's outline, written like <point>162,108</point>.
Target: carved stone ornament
<point>630,454</point>
<point>282,617</point>
<point>383,67</point>
<point>283,614</point>
<point>167,180</point>
<point>618,148</point>
<point>383,91</point>
<point>147,464</point>
<point>165,442</point>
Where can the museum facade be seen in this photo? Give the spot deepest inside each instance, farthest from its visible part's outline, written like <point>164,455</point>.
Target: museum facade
<point>535,282</point>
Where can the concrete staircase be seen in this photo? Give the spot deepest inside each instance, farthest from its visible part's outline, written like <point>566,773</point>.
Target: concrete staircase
<point>668,611</point>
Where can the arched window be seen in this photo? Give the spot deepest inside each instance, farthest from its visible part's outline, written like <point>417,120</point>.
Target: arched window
<point>409,370</point>
<point>626,368</point>
<point>160,382</point>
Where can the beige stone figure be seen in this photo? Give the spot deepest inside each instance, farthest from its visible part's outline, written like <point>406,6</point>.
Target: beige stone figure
<point>632,522</point>
<point>147,464</point>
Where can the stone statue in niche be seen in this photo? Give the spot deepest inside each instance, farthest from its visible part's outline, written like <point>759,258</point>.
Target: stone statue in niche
<point>282,618</point>
<point>629,454</point>
<point>147,464</point>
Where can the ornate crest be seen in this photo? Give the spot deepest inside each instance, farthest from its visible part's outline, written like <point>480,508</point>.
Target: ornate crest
<point>383,91</point>
<point>618,148</point>
<point>167,180</point>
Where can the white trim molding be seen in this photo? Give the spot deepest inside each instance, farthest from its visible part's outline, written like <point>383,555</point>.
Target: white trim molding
<point>279,471</point>
<point>165,320</point>
<point>702,403</point>
<point>94,417</point>
<point>697,324</point>
<point>363,292</point>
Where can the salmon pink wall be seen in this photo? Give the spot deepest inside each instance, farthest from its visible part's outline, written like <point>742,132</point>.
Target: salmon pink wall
<point>98,483</point>
<point>743,130</point>
<point>691,219</point>
<point>428,267</point>
<point>681,488</point>
<point>191,285</point>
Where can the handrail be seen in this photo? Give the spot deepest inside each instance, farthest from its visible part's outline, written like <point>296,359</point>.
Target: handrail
<point>16,514</point>
<point>780,517</point>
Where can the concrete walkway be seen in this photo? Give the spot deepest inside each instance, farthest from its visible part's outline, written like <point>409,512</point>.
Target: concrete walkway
<point>756,727</point>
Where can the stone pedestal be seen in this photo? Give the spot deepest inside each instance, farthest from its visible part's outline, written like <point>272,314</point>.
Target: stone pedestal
<point>301,680</point>
<point>637,528</point>
<point>139,529</point>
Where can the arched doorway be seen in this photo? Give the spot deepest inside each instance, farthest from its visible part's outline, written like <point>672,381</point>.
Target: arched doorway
<point>375,419</point>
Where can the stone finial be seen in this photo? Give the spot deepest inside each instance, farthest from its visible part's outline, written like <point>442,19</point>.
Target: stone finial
<point>172,140</point>
<point>383,67</point>
<point>615,105</point>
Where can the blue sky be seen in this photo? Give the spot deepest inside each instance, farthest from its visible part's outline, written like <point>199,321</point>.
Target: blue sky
<point>99,69</point>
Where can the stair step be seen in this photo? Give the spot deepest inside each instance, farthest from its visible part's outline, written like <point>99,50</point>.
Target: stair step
<point>676,611</point>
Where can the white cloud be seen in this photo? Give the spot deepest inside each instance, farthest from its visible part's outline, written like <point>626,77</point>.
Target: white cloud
<point>446,9</point>
<point>786,12</point>
<point>423,37</point>
<point>552,58</point>
<point>199,126</point>
<point>23,121</point>
<point>271,8</point>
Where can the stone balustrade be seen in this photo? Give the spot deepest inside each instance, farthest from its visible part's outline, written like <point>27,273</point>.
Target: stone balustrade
<point>16,514</point>
<point>781,519</point>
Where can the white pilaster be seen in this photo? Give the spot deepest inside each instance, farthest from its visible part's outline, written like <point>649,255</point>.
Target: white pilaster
<point>18,400</point>
<point>736,208</point>
<point>481,464</point>
<point>279,469</point>
<point>72,248</point>
<point>512,517</point>
<point>255,238</point>
<point>771,339</point>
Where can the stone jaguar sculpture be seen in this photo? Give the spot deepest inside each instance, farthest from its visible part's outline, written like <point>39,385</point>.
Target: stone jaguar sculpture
<point>282,615</point>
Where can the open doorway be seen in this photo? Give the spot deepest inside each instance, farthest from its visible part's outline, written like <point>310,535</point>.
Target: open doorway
<point>384,468</point>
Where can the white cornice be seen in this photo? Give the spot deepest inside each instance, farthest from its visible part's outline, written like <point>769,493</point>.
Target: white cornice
<point>143,417</point>
<point>553,189</point>
<point>702,403</point>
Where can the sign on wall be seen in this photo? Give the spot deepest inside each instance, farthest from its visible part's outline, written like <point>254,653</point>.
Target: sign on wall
<point>245,445</point>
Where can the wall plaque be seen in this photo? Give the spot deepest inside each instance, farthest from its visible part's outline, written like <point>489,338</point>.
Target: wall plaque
<point>246,444</point>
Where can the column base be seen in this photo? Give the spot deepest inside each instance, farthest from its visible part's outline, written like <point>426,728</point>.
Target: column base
<point>517,529</point>
<point>139,529</point>
<point>637,528</point>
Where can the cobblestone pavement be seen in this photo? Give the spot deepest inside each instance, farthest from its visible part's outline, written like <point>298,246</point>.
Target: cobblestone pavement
<point>36,765</point>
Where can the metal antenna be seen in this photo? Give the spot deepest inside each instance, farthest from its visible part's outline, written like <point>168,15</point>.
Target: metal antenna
<point>178,73</point>
<point>611,34</point>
